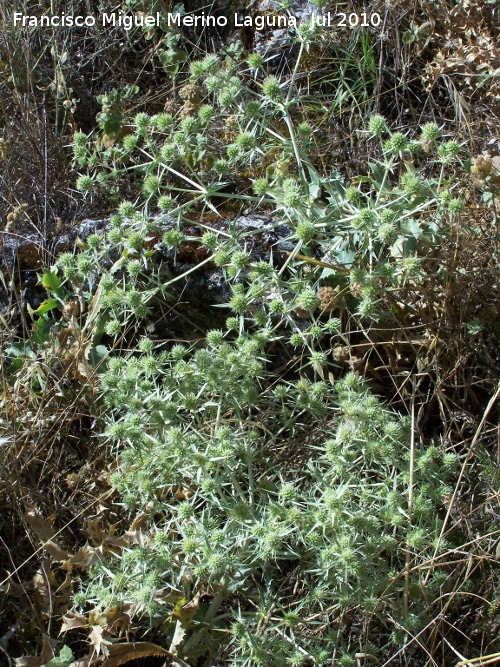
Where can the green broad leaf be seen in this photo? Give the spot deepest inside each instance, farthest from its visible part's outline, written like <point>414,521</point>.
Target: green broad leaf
<point>20,349</point>
<point>51,281</point>
<point>97,356</point>
<point>346,258</point>
<point>172,58</point>
<point>315,185</point>
<point>41,330</point>
<point>361,179</point>
<point>113,126</point>
<point>14,366</point>
<point>380,177</point>
<point>397,248</point>
<point>413,228</point>
<point>334,186</point>
<point>408,37</point>
<point>64,658</point>
<point>46,306</point>
<point>474,327</point>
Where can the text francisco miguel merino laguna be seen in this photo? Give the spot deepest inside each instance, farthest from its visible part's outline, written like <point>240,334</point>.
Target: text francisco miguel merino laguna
<point>127,21</point>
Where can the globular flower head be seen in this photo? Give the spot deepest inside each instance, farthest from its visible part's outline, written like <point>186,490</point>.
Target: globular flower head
<point>196,69</point>
<point>246,140</point>
<point>189,125</point>
<point>397,143</point>
<point>172,238</point>
<point>277,307</point>
<point>130,142</point>
<point>210,64</point>
<point>168,151</point>
<point>261,186</point>
<point>240,259</point>
<point>66,259</point>
<point>304,130</point>
<point>318,358</point>
<point>233,151</point>
<point>411,264</point>
<point>308,300</point>
<point>142,121</point>
<point>221,257</point>
<point>255,60</point>
<point>239,303</point>
<point>209,240</point>
<point>333,325</point>
<point>305,231</point>
<point>252,108</point>
<point>126,209</point>
<point>113,328</point>
<point>377,125</point>
<point>133,268</point>
<point>165,203</point>
<point>387,232</point>
<point>411,184</point>
<point>287,492</point>
<point>430,132</point>
<point>80,139</point>
<point>272,89</point>
<point>365,218</point>
<point>227,96</point>
<point>449,150</point>
<point>163,121</point>
<point>114,235</point>
<point>352,195</point>
<point>291,192</point>
<point>85,183</point>
<point>150,185</point>
<point>221,166</point>
<point>135,241</point>
<point>455,206</point>
<point>215,338</point>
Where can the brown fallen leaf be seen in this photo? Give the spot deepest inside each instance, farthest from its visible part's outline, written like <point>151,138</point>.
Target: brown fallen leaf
<point>42,527</point>
<point>71,621</point>
<point>48,648</point>
<point>98,641</point>
<point>119,654</point>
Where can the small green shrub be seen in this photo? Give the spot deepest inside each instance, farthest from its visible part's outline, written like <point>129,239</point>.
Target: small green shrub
<point>283,505</point>
<point>276,505</point>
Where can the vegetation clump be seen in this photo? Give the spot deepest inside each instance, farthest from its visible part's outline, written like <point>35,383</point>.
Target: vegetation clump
<point>272,365</point>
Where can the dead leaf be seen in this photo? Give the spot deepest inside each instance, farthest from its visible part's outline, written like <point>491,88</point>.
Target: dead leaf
<point>43,581</point>
<point>119,654</point>
<point>44,531</point>
<point>97,640</point>
<point>55,551</point>
<point>140,521</point>
<point>42,527</point>
<point>48,647</point>
<point>72,621</point>
<point>178,637</point>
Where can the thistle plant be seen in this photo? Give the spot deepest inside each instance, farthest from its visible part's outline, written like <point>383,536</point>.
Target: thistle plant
<point>285,503</point>
<point>372,224</point>
<point>274,527</point>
